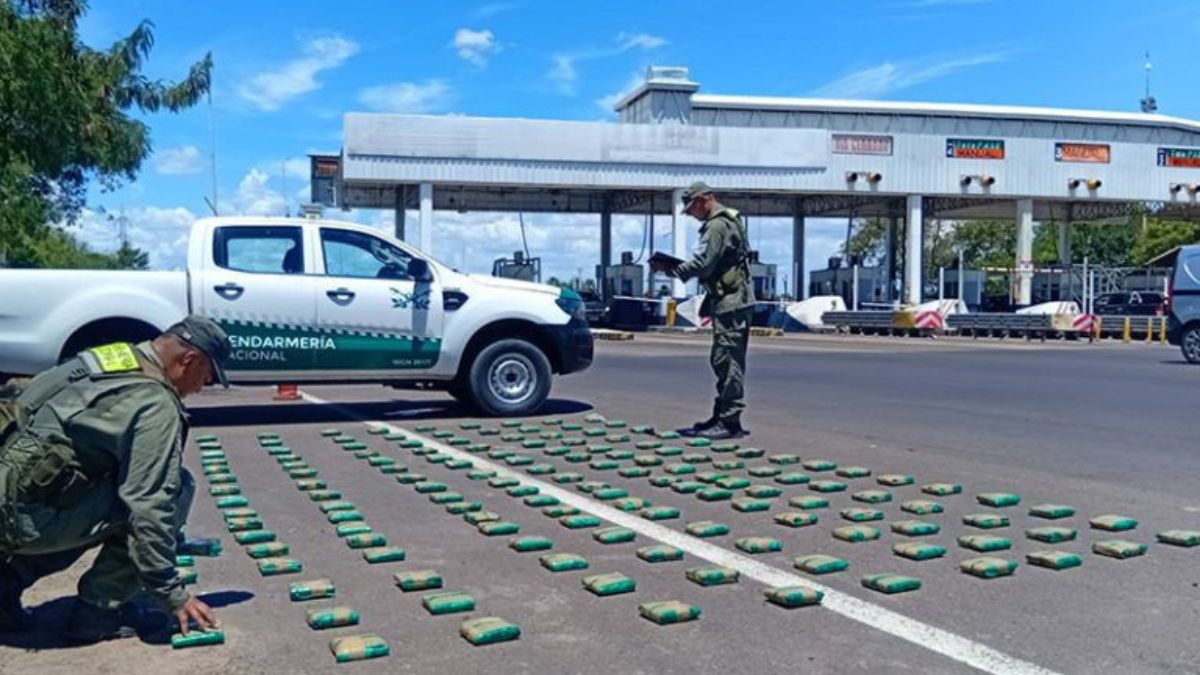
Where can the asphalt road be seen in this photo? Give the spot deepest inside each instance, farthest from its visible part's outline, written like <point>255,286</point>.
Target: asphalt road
<point>1105,429</point>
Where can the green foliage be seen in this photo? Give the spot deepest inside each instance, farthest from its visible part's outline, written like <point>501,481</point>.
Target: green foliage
<point>1161,236</point>
<point>65,110</point>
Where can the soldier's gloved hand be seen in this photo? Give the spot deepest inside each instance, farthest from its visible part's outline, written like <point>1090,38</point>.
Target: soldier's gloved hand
<point>195,610</point>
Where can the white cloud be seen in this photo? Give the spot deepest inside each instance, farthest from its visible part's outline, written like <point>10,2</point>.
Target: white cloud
<point>563,74</point>
<point>636,79</point>
<point>888,77</point>
<point>183,160</point>
<point>474,46</point>
<point>492,9</point>
<point>564,71</point>
<point>270,90</point>
<point>254,197</point>
<point>628,41</point>
<point>407,97</point>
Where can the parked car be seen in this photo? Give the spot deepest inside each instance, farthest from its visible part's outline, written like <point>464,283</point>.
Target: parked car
<point>314,301</point>
<point>593,306</point>
<point>1183,326</point>
<point>1134,303</point>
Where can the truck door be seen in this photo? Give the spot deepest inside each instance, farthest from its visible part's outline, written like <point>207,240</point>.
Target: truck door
<point>255,286</point>
<point>381,317</point>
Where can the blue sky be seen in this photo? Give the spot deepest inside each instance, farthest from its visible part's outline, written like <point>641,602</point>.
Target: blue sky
<point>286,72</point>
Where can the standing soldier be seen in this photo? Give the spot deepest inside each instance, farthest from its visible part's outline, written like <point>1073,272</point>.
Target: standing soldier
<point>722,264</point>
<point>90,454</point>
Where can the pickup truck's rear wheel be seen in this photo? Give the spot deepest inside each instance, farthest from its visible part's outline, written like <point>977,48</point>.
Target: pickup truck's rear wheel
<point>510,377</point>
<point>1190,344</point>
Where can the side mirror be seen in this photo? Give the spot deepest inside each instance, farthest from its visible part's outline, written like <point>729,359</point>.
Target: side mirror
<point>418,270</point>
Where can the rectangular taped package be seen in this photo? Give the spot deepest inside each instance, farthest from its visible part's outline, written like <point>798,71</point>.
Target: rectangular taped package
<point>796,518</point>
<point>418,580</point>
<point>1054,560</point>
<point>563,562</point>
<point>659,553</point>
<point>1119,549</point>
<point>1051,511</point>
<point>609,584</point>
<point>317,589</point>
<point>820,564</point>
<point>1051,535</point>
<point>794,596</point>
<point>919,550</point>
<point>197,638</point>
<point>254,537</point>
<point>712,575</point>
<point>891,583</point>
<point>921,507</point>
<point>942,489</point>
<point>489,630</point>
<point>331,617</point>
<point>530,544</point>
<point>826,486</point>
<point>856,533</point>
<point>1113,523</point>
<point>998,499</point>
<point>613,535</point>
<point>915,528</point>
<point>1185,538</point>
<point>808,502</point>
<point>447,602</point>
<point>269,567</point>
<point>872,496</point>
<point>338,517</point>
<point>272,549</point>
<point>383,554</point>
<point>756,545</point>
<point>498,528</point>
<point>358,648</point>
<point>669,612</point>
<point>985,521</point>
<point>706,528</point>
<point>988,567</point>
<point>984,543</point>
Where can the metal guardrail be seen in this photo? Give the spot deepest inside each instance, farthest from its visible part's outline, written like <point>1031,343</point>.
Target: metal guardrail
<point>1003,324</point>
<point>1113,325</point>
<point>865,321</point>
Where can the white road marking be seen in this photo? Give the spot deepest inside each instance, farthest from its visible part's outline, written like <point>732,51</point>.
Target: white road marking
<point>951,645</point>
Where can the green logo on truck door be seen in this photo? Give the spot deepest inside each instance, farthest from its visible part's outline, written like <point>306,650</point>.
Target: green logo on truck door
<point>258,346</point>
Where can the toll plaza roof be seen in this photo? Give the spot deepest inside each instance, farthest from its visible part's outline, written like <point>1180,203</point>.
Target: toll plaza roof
<point>776,157</point>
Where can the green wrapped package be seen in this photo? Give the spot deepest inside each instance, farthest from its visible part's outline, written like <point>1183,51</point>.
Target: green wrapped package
<point>794,596</point>
<point>429,487</point>
<point>857,514</point>
<point>224,490</point>
<point>479,517</point>
<point>443,434</point>
<point>377,431</point>
<point>519,460</point>
<point>557,451</point>
<point>733,483</point>
<point>254,537</point>
<point>1185,538</point>
<point>808,502</point>
<point>540,501</point>
<point>290,464</point>
<point>185,561</point>
<point>659,553</point>
<point>630,504</point>
<point>648,445</point>
<point>540,469</point>
<point>317,589</point>
<point>476,448</point>
<point>915,528</point>
<point>501,482</point>
<point>498,528</point>
<point>239,512</point>
<point>712,575</point>
<point>214,468</point>
<point>818,563</point>
<point>187,576</point>
<point>669,612</point>
<point>699,443</point>
<point>411,478</point>
<point>714,494</point>
<point>442,498</point>
<point>579,522</point>
<point>663,481</point>
<point>302,473</point>
<point>1119,549</point>
<point>610,493</point>
<point>197,638</point>
<point>365,540</point>
<point>894,479</point>
<point>796,519</point>
<point>633,472</point>
<point>560,510</point>
<point>680,469</point>
<point>669,435</point>
<point>891,583</point>
<point>617,438</point>
<point>222,479</point>
<point>764,471</point>
<point>383,554</point>
<point>854,472</point>
<point>756,545</point>
<point>324,495</point>
<point>269,567</point>
<point>729,465</point>
<point>351,529</point>
<point>750,505</point>
<point>337,505</point>
<point>342,439</point>
<point>447,602</point>
<point>530,544</point>
<point>985,521</point>
<point>613,535</point>
<point>380,460</point>
<point>243,524</point>
<point>918,550</point>
<point>984,543</point>
<point>669,451</point>
<point>270,441</point>
<point>872,496</point>
<point>942,489</point>
<point>577,457</point>
<point>394,436</point>
<point>710,477</point>
<point>1054,560</point>
<point>695,458</point>
<point>687,487</point>
<point>331,617</point>
<point>706,528</point>
<point>563,562</point>
<point>856,533</point>
<point>522,491</point>
<point>392,469</point>
<point>784,459</point>
<point>412,444</point>
<point>826,486</point>
<point>358,648</point>
<point>1051,511</point>
<point>417,580</point>
<point>459,508</point>
<point>749,453</point>
<point>1113,523</point>
<point>792,478</point>
<point>609,584</point>
<point>921,507</point>
<point>659,513</point>
<point>594,433</point>
<point>763,491</point>
<point>818,465</point>
<point>998,499</point>
<point>648,460</point>
<point>338,517</point>
<point>308,484</point>
<point>988,567</point>
<point>1051,535</point>
<point>271,549</point>
<point>480,474</point>
<point>207,438</point>
<point>460,442</point>
<point>488,630</point>
<point>330,433</point>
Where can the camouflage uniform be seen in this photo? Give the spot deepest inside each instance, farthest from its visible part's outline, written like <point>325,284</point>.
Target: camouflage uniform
<point>722,265</point>
<point>94,457</point>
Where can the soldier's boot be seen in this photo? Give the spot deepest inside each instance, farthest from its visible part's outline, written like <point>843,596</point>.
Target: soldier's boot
<point>726,430</point>
<point>90,624</point>
<point>13,617</point>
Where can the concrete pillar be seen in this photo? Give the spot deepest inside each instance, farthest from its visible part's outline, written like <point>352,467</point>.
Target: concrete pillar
<point>799,280</point>
<point>678,238</point>
<point>426,197</point>
<point>1064,243</point>
<point>1023,297</point>
<point>914,242</point>
<point>401,193</point>
<point>605,245</point>
<point>889,261</point>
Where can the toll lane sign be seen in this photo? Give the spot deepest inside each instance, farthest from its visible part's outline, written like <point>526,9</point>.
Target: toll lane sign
<point>974,148</point>
<point>1188,158</point>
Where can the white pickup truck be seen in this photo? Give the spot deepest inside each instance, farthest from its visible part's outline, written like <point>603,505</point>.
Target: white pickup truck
<point>309,301</point>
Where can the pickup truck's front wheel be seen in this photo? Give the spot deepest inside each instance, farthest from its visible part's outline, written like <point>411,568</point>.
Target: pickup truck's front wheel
<point>510,377</point>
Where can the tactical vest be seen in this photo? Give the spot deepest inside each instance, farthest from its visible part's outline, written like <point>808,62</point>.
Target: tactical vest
<point>734,273</point>
<point>44,466</point>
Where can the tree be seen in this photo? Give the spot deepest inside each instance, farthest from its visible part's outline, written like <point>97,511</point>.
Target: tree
<point>1160,236</point>
<point>65,115</point>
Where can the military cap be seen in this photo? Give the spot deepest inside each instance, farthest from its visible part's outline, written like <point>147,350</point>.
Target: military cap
<point>204,334</point>
<point>695,190</point>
